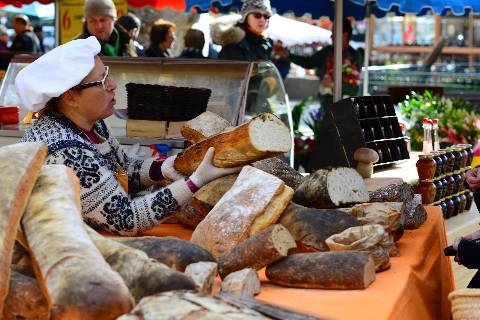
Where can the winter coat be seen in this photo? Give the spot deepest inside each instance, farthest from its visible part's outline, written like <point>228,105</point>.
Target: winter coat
<point>191,53</point>
<point>156,52</point>
<point>126,46</point>
<point>26,42</point>
<point>238,43</point>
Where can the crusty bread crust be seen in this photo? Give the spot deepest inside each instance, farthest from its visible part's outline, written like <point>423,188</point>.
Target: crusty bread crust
<point>20,165</point>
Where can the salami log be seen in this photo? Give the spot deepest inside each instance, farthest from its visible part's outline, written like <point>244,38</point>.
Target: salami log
<point>258,251</point>
<point>72,274</point>
<point>173,252</point>
<point>144,276</point>
<point>324,270</point>
<point>20,165</point>
<point>262,137</point>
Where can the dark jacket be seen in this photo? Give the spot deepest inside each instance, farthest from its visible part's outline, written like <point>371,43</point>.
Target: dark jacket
<point>238,43</point>
<point>126,46</point>
<point>191,53</point>
<point>26,41</point>
<point>154,51</point>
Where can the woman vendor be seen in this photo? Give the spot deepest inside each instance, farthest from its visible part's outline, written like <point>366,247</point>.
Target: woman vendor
<point>70,88</point>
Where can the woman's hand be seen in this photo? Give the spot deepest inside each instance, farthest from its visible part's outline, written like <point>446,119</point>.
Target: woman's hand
<point>168,171</point>
<point>207,172</point>
<point>473,178</point>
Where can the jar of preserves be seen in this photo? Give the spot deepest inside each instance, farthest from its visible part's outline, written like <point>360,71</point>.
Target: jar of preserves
<point>450,185</point>
<point>443,205</point>
<point>449,203</point>
<point>457,181</point>
<point>463,202</point>
<point>469,149</point>
<point>463,175</point>
<point>456,205</point>
<point>450,160</point>
<point>439,186</point>
<point>427,189</point>
<point>438,163</point>
<point>469,199</point>
<point>426,167</point>
<point>458,154</point>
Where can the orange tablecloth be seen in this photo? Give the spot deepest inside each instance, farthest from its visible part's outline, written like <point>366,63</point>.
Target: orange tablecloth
<point>415,287</point>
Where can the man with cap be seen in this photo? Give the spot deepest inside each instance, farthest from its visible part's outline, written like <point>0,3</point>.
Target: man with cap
<point>100,18</point>
<point>25,40</point>
<point>73,100</point>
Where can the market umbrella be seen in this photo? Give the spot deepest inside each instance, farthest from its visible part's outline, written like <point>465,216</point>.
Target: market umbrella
<point>292,32</point>
<point>457,7</point>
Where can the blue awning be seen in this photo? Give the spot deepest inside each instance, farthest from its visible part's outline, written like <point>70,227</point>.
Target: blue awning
<point>457,7</point>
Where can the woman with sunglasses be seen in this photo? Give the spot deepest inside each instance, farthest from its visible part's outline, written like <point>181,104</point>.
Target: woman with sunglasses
<point>247,39</point>
<point>70,88</point>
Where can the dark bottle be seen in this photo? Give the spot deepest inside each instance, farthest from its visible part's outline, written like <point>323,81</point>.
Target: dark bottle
<point>456,205</point>
<point>469,199</point>
<point>444,186</point>
<point>450,185</point>
<point>458,180</point>
<point>439,187</point>
<point>450,160</point>
<point>463,175</point>
<point>458,154</point>
<point>444,161</point>
<point>469,149</point>
<point>443,205</point>
<point>449,203</point>
<point>463,202</point>
<point>427,189</point>
<point>438,163</point>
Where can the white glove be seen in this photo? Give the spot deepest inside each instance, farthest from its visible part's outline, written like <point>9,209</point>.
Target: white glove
<point>168,171</point>
<point>207,172</point>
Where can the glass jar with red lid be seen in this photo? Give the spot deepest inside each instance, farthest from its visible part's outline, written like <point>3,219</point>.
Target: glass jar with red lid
<point>427,189</point>
<point>426,167</point>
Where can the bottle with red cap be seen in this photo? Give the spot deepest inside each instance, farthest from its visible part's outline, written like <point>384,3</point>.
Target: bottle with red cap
<point>427,135</point>
<point>436,141</point>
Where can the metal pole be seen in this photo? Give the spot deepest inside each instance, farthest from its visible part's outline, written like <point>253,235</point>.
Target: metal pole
<point>57,23</point>
<point>368,47</point>
<point>337,50</point>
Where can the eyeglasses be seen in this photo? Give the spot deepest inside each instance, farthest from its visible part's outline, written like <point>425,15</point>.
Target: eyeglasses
<point>258,15</point>
<point>102,82</point>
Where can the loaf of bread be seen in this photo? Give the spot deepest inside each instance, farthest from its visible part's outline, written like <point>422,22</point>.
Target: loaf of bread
<point>207,196</point>
<point>311,227</point>
<point>331,188</point>
<point>20,165</point>
<point>71,272</point>
<point>205,125</point>
<point>281,170</point>
<point>262,137</point>
<point>392,193</point>
<point>234,217</point>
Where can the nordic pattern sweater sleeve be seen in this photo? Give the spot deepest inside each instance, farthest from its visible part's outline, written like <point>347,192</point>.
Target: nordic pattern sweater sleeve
<point>105,205</point>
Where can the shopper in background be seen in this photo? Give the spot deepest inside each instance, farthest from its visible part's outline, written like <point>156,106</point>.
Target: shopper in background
<point>3,38</point>
<point>194,41</point>
<point>322,62</point>
<point>131,23</point>
<point>100,18</point>
<point>25,40</point>
<point>162,38</point>
<point>39,33</point>
<point>247,39</point>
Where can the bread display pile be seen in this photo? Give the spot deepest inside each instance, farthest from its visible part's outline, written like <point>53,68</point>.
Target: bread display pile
<point>268,216</point>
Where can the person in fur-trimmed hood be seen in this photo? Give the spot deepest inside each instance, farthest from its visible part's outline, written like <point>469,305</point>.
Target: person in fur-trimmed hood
<point>246,40</point>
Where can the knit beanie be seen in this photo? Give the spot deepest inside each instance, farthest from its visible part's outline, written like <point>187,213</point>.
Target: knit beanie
<point>99,8</point>
<point>250,6</point>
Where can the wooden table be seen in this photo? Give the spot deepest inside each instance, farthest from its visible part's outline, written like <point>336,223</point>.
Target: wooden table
<point>415,287</point>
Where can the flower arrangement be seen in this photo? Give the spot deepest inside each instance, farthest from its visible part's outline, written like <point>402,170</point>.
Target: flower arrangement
<point>458,121</point>
<point>350,78</point>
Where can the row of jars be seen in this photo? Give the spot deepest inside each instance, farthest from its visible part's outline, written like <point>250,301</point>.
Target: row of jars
<point>444,161</point>
<point>455,204</point>
<point>443,186</point>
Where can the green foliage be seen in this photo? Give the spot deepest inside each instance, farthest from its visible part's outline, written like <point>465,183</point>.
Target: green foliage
<point>457,120</point>
<point>297,113</point>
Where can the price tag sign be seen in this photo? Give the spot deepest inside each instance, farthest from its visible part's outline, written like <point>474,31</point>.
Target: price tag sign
<point>71,17</point>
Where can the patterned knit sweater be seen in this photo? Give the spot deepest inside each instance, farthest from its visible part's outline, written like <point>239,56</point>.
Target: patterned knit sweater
<point>105,204</point>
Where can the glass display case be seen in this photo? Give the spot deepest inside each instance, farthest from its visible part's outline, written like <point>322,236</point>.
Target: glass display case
<point>240,89</point>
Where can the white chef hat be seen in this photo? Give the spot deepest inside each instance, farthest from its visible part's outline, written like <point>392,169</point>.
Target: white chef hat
<point>56,72</point>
